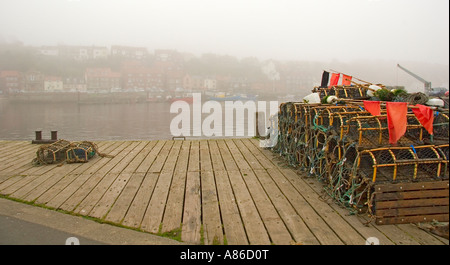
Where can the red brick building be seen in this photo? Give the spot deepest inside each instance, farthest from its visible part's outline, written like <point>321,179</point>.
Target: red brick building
<point>102,79</point>
<point>136,76</point>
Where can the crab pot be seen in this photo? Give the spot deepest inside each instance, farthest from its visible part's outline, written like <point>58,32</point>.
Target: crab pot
<point>402,164</point>
<point>440,129</point>
<point>52,153</point>
<point>353,92</point>
<point>80,152</point>
<point>372,131</point>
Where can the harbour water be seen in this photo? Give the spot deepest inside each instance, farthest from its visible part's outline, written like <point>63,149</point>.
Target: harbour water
<point>75,122</point>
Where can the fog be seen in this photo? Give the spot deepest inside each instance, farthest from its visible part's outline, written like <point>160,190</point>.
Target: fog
<point>321,30</point>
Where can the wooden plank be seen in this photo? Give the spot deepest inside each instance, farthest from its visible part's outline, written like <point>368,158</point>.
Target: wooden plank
<point>161,157</point>
<point>120,207</point>
<point>343,230</point>
<point>192,209</point>
<point>171,161</point>
<point>150,158</point>
<point>249,157</point>
<point>155,210</point>
<point>239,159</point>
<point>412,219</point>
<point>422,236</point>
<point>138,159</point>
<point>136,211</point>
<point>105,203</point>
<point>13,184</point>
<point>13,147</point>
<point>212,225</point>
<point>9,157</point>
<point>411,203</point>
<point>228,160</point>
<point>277,230</point>
<point>365,230</point>
<point>5,176</point>
<point>38,186</point>
<point>295,224</point>
<point>390,196</point>
<point>7,145</point>
<point>79,193</point>
<point>254,226</point>
<point>216,157</point>
<point>173,215</point>
<point>412,211</point>
<point>233,226</point>
<point>318,227</point>
<point>205,157</point>
<point>263,160</point>
<point>60,192</point>
<point>410,186</point>
<point>194,156</point>
<point>256,232</point>
<point>183,157</point>
<point>101,188</point>
<point>19,162</point>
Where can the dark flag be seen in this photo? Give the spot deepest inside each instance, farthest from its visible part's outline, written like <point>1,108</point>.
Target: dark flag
<point>325,77</point>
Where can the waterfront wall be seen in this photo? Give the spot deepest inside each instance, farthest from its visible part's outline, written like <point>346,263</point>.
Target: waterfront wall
<point>76,97</point>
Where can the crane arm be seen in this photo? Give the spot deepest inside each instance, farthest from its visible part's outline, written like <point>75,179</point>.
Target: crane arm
<point>427,83</point>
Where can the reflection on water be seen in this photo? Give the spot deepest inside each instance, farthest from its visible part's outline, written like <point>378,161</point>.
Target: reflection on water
<point>74,122</point>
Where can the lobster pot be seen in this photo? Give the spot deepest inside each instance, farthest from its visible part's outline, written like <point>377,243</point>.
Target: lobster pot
<point>52,153</point>
<point>440,129</point>
<point>333,155</point>
<point>402,164</point>
<point>80,152</point>
<point>444,153</point>
<point>372,131</point>
<point>324,115</point>
<point>348,92</point>
<point>338,121</point>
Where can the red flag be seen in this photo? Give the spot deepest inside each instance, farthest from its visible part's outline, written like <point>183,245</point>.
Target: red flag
<point>396,116</point>
<point>425,116</point>
<point>346,80</point>
<point>334,79</point>
<point>373,107</point>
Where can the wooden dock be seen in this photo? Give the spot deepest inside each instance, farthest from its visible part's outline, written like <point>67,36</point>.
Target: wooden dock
<point>203,191</point>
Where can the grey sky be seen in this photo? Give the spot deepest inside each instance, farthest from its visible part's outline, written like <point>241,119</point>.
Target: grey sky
<point>323,30</point>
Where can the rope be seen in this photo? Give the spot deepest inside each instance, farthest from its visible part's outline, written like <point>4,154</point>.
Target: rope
<point>416,98</point>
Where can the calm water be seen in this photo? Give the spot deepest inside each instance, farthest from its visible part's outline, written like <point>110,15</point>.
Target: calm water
<point>74,122</point>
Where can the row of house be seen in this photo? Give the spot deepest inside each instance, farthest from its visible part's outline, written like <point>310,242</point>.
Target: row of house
<point>132,77</point>
<point>166,72</point>
<point>81,53</point>
<point>35,81</point>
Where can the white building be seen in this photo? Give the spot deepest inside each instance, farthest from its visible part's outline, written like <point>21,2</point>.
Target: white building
<point>53,84</point>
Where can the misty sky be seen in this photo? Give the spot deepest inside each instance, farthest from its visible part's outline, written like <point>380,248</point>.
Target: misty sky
<point>322,30</point>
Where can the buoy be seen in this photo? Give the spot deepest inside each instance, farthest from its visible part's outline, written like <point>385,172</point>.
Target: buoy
<point>435,102</point>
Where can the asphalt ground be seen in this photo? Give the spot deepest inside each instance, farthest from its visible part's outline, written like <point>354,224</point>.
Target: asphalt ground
<point>23,224</point>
